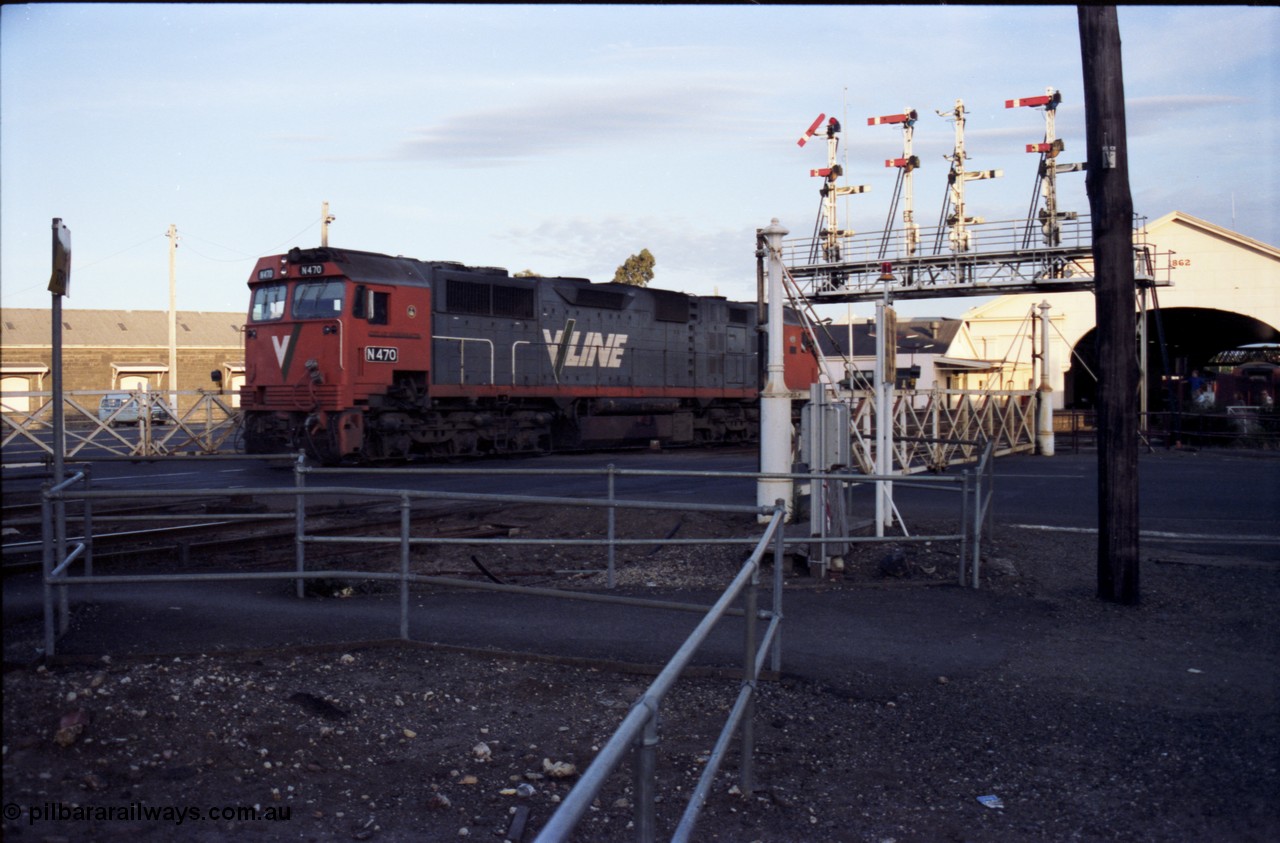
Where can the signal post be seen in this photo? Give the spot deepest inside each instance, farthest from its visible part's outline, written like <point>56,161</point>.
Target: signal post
<point>775,400</point>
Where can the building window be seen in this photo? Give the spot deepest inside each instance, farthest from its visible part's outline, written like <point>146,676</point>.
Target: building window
<point>143,376</point>
<point>20,379</point>
<point>233,381</point>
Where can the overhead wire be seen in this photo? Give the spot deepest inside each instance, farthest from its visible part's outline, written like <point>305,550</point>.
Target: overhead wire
<point>265,251</point>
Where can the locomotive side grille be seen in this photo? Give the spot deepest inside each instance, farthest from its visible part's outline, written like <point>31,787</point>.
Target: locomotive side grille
<point>604,299</point>
<point>298,397</point>
<point>669,306</point>
<point>468,297</point>
<point>513,302</point>
<point>481,299</point>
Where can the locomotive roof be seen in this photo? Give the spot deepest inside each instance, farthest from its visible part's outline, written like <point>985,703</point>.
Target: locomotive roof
<point>376,267</point>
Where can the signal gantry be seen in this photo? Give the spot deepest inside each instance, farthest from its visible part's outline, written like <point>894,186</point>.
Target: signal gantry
<point>969,256</point>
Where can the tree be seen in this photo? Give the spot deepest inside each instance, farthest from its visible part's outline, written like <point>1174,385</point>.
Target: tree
<point>636,270</point>
<point>527,273</point>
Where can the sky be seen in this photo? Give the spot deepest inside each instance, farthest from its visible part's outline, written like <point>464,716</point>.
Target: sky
<point>564,138</point>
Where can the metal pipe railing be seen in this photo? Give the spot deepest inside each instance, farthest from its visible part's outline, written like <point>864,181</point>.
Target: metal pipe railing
<point>975,510</point>
<point>639,727</point>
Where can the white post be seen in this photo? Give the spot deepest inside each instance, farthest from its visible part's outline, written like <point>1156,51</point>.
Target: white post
<point>1044,416</point>
<point>775,402</point>
<point>885,334</point>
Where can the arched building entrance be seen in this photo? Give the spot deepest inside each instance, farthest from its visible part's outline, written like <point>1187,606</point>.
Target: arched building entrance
<point>1223,291</point>
<point>1192,335</point>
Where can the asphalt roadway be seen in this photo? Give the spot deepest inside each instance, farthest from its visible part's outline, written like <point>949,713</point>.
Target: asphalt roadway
<point>1213,505</point>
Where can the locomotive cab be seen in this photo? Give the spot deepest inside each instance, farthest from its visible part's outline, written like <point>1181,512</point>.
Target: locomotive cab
<point>325,340</point>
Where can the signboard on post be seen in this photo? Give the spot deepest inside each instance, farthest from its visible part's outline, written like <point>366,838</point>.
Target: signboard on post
<point>60,278</point>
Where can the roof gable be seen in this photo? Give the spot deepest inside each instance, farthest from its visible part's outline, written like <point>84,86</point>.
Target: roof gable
<point>1206,227</point>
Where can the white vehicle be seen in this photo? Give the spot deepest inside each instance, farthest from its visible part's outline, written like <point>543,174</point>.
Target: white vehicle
<point>122,408</point>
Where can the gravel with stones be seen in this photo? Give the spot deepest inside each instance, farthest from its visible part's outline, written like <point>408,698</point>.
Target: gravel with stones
<point>1157,722</point>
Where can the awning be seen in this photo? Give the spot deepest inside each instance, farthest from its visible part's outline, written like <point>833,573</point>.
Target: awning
<point>963,365</point>
<point>139,369</point>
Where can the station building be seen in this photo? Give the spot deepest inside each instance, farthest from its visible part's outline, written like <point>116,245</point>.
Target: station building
<point>1224,292</point>
<point>118,349</point>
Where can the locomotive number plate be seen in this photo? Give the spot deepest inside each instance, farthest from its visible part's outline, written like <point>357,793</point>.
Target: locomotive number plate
<point>381,354</point>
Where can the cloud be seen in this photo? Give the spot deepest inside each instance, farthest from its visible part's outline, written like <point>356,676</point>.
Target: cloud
<point>1159,113</point>
<point>567,123</point>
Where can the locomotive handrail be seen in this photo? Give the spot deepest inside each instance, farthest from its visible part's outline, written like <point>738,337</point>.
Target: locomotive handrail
<point>462,356</point>
<point>515,345</point>
<point>341,345</point>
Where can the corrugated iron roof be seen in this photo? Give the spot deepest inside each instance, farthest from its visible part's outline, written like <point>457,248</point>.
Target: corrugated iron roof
<point>31,327</point>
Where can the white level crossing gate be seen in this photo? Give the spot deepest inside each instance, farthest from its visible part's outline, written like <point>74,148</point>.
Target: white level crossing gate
<point>937,428</point>
<point>142,425</point>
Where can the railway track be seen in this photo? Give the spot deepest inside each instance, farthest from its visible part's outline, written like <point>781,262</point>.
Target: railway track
<point>205,541</point>
<point>116,537</point>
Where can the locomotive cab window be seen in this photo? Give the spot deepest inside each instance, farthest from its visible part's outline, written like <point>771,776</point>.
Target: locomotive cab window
<point>370,305</point>
<point>268,303</point>
<point>318,300</point>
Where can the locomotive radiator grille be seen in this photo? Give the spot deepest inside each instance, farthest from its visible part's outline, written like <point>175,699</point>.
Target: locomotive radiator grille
<point>300,396</point>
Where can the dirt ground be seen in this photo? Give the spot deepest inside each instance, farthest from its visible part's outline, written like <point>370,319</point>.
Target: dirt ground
<point>1151,723</point>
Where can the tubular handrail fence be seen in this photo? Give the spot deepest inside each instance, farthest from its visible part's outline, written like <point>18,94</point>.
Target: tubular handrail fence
<point>639,728</point>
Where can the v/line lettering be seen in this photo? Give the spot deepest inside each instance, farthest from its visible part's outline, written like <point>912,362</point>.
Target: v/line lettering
<point>587,349</point>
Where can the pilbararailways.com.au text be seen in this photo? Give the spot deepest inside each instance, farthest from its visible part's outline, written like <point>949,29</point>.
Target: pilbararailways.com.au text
<point>138,812</point>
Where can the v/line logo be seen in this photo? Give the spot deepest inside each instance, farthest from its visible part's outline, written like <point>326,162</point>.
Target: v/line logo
<point>283,345</point>
<point>586,349</point>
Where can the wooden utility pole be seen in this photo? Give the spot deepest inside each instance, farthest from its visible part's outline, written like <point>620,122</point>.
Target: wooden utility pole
<point>1111,208</point>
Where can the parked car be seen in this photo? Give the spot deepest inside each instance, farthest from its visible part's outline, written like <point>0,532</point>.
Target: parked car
<point>127,403</point>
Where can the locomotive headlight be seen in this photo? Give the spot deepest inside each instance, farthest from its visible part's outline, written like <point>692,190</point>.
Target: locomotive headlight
<point>313,371</point>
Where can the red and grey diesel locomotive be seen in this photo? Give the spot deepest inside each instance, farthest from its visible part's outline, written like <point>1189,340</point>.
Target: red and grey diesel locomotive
<point>358,356</point>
